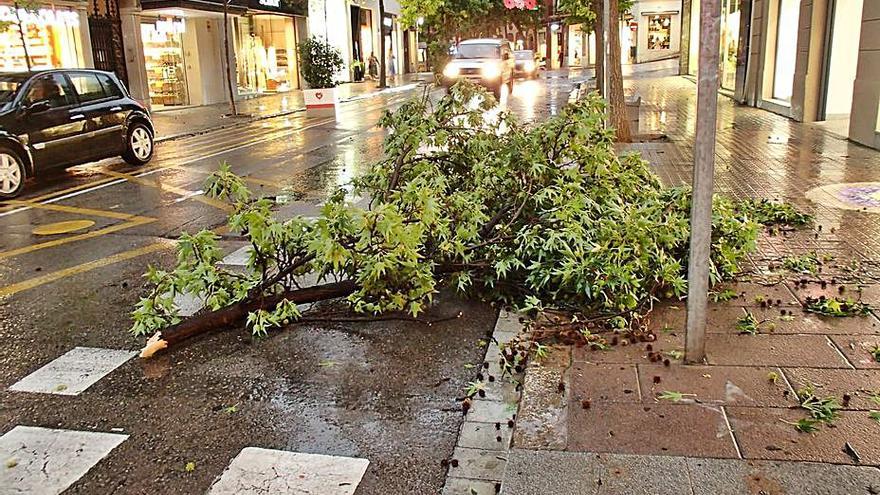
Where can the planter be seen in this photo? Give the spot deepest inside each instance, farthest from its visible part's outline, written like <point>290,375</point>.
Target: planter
<point>320,100</point>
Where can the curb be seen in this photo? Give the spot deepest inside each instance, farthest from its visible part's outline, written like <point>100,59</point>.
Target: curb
<point>485,435</point>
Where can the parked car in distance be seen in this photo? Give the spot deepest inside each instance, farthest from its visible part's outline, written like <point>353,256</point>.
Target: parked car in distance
<point>61,118</point>
<point>525,64</point>
<point>487,62</point>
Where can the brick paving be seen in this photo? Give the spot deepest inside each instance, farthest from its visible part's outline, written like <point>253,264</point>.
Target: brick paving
<point>732,429</point>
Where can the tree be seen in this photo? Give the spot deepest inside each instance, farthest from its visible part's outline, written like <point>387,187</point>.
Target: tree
<point>230,81</point>
<point>616,101</point>
<point>319,61</point>
<point>540,216</point>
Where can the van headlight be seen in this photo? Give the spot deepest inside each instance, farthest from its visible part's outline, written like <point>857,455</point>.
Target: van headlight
<point>491,71</point>
<point>450,71</point>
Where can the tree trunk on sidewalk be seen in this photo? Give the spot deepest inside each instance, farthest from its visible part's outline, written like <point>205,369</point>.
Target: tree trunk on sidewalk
<point>21,33</point>
<point>615,77</point>
<point>600,46</point>
<point>383,83</point>
<point>229,82</point>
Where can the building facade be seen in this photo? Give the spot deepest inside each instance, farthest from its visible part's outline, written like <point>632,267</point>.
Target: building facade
<point>810,60</point>
<point>56,36</point>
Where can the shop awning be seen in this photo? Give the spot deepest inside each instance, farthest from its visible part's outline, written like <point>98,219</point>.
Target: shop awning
<point>236,7</point>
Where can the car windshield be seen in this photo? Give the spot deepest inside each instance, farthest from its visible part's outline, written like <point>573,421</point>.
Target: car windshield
<point>523,55</point>
<point>478,51</point>
<point>9,88</point>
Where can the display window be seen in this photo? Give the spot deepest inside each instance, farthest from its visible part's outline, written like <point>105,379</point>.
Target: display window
<point>164,60</point>
<point>730,21</point>
<point>52,35</point>
<point>660,32</point>
<point>266,58</point>
<point>786,49</point>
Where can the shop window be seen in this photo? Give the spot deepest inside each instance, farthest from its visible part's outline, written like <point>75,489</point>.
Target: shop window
<point>53,39</point>
<point>87,87</point>
<point>267,54</point>
<point>163,57</point>
<point>659,32</point>
<point>52,89</point>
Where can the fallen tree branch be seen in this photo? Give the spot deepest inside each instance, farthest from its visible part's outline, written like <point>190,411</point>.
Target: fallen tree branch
<point>233,314</point>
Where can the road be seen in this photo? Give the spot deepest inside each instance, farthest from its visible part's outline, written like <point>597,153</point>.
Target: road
<point>387,394</point>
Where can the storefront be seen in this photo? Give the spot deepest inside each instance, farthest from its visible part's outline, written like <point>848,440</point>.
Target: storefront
<point>162,38</point>
<point>654,31</point>
<point>266,59</point>
<point>56,36</point>
<point>731,55</point>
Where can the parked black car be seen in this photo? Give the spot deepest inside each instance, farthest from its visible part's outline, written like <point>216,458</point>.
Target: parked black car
<point>61,118</point>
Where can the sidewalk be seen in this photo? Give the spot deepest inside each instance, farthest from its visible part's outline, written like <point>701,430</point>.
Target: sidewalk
<point>175,122</point>
<point>602,422</point>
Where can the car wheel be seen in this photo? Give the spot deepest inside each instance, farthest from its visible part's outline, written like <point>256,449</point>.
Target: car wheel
<point>139,146</point>
<point>11,173</point>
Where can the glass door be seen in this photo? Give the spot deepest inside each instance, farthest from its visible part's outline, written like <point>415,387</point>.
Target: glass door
<point>730,25</point>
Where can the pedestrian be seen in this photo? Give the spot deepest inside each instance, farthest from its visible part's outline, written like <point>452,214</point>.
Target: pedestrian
<point>374,66</point>
<point>392,65</point>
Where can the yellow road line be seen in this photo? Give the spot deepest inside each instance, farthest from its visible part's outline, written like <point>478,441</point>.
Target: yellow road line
<point>78,210</point>
<point>168,187</point>
<point>85,267</point>
<point>74,238</point>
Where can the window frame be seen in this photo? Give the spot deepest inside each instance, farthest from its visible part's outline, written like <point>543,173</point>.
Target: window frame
<point>73,99</point>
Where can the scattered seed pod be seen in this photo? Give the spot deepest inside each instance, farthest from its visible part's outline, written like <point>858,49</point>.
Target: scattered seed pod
<point>785,393</point>
<point>454,462</point>
<point>614,340</point>
<point>841,289</point>
<point>497,426</point>
<point>497,487</point>
<point>491,378</point>
<point>498,438</point>
<point>479,377</point>
<point>510,423</point>
<point>482,393</point>
<point>465,406</point>
<point>656,379</point>
<point>586,404</point>
<point>444,462</point>
<point>779,302</point>
<point>560,387</point>
<point>486,364</point>
<point>824,284</point>
<point>649,347</point>
<point>666,362</point>
<point>846,399</point>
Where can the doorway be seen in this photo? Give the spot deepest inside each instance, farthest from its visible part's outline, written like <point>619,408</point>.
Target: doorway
<point>841,57</point>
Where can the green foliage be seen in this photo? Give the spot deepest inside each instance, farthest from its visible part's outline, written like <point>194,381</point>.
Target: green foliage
<point>771,213</point>
<point>673,396</point>
<point>806,263</point>
<point>821,409</point>
<point>723,295</point>
<point>875,415</point>
<point>875,352</point>
<point>539,217</point>
<point>319,62</point>
<point>836,306</point>
<point>747,324</point>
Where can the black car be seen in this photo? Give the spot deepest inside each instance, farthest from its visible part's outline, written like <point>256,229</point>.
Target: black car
<point>61,118</point>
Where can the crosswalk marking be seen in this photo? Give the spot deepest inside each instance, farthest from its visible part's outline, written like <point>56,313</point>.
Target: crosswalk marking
<point>73,372</point>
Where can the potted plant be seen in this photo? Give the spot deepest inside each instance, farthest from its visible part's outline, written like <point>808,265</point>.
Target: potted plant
<point>357,70</point>
<point>319,62</point>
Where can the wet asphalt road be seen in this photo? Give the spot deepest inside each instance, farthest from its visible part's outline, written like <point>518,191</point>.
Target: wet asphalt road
<point>388,396</point>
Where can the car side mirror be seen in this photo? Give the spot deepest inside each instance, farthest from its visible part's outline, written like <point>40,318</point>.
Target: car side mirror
<point>36,107</point>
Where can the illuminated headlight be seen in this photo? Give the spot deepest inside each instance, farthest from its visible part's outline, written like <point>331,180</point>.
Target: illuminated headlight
<point>450,71</point>
<point>529,66</point>
<point>491,71</point>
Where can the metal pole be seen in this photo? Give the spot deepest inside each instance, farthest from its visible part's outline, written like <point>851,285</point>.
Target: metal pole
<point>704,170</point>
<point>606,49</point>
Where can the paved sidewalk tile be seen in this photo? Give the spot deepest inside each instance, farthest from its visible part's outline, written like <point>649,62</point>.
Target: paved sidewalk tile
<point>486,436</point>
<point>735,477</point>
<point>46,461</point>
<point>73,372</point>
<point>863,386</point>
<point>857,349</point>
<point>773,350</point>
<point>643,475</point>
<point>487,465</point>
<point>464,486</point>
<point>766,433</point>
<point>869,294</point>
<point>532,472</point>
<point>754,295</point>
<point>801,322</point>
<point>660,429</point>
<point>603,382</point>
<point>188,304</point>
<point>668,344</point>
<point>730,385</point>
<point>259,471</point>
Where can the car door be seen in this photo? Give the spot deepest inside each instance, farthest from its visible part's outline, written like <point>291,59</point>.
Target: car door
<point>102,114</point>
<point>48,119</point>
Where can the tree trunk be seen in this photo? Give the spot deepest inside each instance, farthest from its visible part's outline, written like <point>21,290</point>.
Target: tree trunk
<point>229,81</point>
<point>615,77</point>
<point>232,315</point>
<point>600,46</point>
<point>21,33</point>
<point>383,83</point>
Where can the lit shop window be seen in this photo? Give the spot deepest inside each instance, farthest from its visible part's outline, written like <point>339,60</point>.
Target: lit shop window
<point>659,32</point>
<point>163,58</point>
<point>266,55</point>
<point>52,36</point>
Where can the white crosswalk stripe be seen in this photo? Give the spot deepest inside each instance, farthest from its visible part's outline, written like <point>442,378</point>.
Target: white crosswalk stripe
<point>73,372</point>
